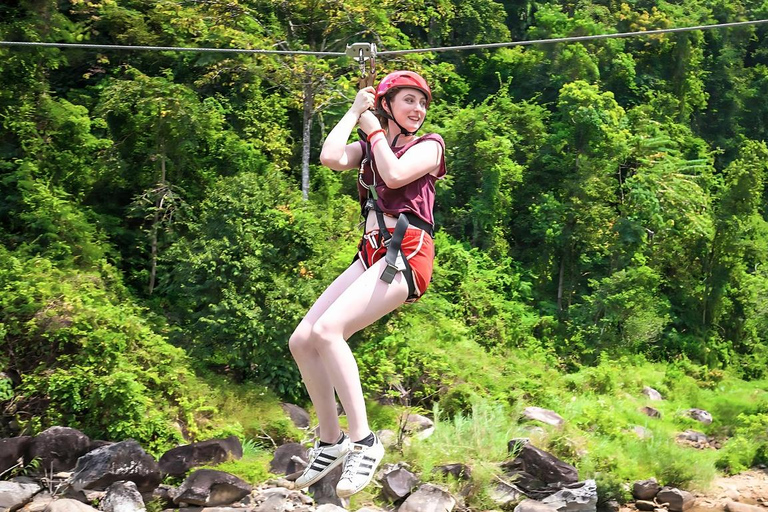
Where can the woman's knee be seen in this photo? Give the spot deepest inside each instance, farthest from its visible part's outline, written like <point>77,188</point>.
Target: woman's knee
<point>325,332</point>
<point>301,339</point>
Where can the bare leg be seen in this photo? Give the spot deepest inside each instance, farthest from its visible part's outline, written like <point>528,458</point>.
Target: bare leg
<point>313,371</point>
<point>363,302</point>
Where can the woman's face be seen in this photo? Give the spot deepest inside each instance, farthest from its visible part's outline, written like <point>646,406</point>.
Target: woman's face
<point>409,106</point>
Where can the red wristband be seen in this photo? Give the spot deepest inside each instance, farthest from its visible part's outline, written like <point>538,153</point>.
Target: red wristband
<point>374,132</point>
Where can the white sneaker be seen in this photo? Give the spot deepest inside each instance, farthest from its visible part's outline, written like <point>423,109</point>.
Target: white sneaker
<point>323,459</point>
<point>359,467</point>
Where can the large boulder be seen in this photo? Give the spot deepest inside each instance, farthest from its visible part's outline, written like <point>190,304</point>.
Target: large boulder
<point>288,458</point>
<point>699,415</point>
<point>211,488</point>
<point>538,463</point>
<point>58,448</point>
<point>68,505</point>
<point>428,498</point>
<point>112,463</point>
<point>299,417</point>
<point>11,450</point>
<point>178,461</point>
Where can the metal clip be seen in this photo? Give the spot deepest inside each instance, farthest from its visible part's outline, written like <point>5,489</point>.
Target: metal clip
<point>362,52</point>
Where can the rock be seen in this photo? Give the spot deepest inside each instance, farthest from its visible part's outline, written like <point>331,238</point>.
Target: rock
<point>645,489</point>
<point>14,495</point>
<point>528,505</point>
<point>542,465</point>
<point>178,461</point>
<point>398,483</point>
<point>610,506</point>
<point>693,438</point>
<point>324,490</point>
<point>580,497</point>
<point>69,505</point>
<point>642,432</point>
<point>543,415</point>
<point>419,426</point>
<point>651,393</point>
<point>11,450</point>
<point>650,412</point>
<point>428,498</point>
<point>645,505</point>
<point>299,416</point>
<point>329,507</point>
<point>211,488</point>
<point>677,499</point>
<point>732,506</point>
<point>699,415</point>
<point>457,471</point>
<point>38,504</point>
<point>58,448</point>
<point>284,460</point>
<point>388,438</point>
<point>123,497</point>
<point>123,461</point>
<point>504,494</point>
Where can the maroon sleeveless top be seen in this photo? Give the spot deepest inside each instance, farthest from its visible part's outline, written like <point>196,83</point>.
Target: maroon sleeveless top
<point>417,197</point>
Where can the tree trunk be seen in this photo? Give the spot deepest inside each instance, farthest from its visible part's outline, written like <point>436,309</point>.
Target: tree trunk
<point>156,223</point>
<point>309,100</point>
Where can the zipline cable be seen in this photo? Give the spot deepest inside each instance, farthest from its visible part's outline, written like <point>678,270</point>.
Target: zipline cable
<point>568,39</point>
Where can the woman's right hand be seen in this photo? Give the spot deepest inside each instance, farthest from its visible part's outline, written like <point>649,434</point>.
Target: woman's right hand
<point>363,101</point>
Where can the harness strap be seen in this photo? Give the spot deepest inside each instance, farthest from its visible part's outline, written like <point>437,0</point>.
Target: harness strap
<point>392,244</point>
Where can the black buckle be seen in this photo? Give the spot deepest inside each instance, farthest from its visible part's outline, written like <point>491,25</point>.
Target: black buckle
<point>389,273</point>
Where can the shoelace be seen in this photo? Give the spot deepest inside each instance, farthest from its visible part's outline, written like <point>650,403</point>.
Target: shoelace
<point>353,462</point>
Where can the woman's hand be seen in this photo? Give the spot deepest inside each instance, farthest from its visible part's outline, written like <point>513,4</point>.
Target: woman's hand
<point>368,122</point>
<point>363,101</point>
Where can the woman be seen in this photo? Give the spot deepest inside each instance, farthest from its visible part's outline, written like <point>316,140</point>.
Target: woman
<point>396,183</point>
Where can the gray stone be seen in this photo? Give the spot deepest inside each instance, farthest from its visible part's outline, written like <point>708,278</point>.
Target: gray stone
<point>650,412</point>
<point>645,489</point>
<point>504,494</point>
<point>123,497</point>
<point>457,471</point>
<point>428,498</point>
<point>123,461</point>
<point>58,448</point>
<point>299,416</point>
<point>528,505</point>
<point>211,488</point>
<point>178,461</point>
<point>580,497</point>
<point>69,505</point>
<point>284,461</point>
<point>398,483</point>
<point>540,464</point>
<point>732,506</point>
<point>677,500</point>
<point>645,505</point>
<point>14,495</point>
<point>651,393</point>
<point>324,490</point>
<point>543,415</point>
<point>699,415</point>
<point>330,507</point>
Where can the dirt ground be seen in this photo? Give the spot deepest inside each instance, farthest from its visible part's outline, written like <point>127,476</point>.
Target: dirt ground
<point>750,487</point>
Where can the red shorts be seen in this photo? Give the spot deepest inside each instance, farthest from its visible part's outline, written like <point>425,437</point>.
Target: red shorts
<point>418,250</point>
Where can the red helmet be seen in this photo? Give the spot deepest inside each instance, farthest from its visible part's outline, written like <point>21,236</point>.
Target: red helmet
<point>398,79</point>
